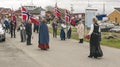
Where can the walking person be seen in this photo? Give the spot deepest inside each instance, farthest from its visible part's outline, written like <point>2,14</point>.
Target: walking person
<point>54,26</point>
<point>80,31</point>
<point>29,31</point>
<point>43,35</point>
<point>95,38</point>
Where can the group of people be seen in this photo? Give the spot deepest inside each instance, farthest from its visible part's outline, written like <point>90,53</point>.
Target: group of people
<point>43,34</point>
<point>25,28</point>
<point>65,31</point>
<point>94,35</point>
<point>9,26</point>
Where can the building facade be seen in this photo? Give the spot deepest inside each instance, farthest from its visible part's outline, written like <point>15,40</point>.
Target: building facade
<point>114,17</point>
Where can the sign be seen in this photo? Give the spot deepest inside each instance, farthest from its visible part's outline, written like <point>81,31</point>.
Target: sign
<point>42,13</point>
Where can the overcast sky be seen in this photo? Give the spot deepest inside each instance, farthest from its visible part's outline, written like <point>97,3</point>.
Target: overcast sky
<point>78,5</point>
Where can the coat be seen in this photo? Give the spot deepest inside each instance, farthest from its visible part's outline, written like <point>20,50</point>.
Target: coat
<point>80,31</point>
<point>43,34</point>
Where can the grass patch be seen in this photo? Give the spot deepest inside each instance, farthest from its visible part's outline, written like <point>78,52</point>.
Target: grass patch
<point>107,42</point>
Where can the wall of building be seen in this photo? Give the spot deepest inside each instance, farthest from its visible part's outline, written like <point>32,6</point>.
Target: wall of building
<point>114,16</point>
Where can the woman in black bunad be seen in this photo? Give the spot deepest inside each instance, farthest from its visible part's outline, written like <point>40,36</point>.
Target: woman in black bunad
<point>95,38</point>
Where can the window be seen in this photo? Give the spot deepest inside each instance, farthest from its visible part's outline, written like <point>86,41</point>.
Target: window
<point>116,19</point>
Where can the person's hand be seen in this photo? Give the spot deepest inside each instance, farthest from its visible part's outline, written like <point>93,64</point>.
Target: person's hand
<point>87,36</point>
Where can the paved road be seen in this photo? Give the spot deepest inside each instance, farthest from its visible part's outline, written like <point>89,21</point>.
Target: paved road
<point>11,56</point>
<point>67,53</point>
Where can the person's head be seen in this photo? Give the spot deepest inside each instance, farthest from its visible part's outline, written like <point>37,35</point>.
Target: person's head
<point>80,22</point>
<point>95,20</point>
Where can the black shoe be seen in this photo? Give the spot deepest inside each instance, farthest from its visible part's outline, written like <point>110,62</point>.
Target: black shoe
<point>90,56</point>
<point>29,44</point>
<point>45,49</point>
<point>95,57</point>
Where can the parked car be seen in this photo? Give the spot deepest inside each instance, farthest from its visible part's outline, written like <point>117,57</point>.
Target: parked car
<point>105,27</point>
<point>2,33</point>
<point>115,29</point>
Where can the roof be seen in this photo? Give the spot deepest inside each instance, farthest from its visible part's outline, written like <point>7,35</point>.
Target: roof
<point>118,9</point>
<point>37,10</point>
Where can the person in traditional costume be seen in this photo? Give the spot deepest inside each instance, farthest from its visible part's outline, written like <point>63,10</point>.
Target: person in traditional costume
<point>62,32</point>
<point>69,31</point>
<point>80,31</point>
<point>95,38</point>
<point>43,35</point>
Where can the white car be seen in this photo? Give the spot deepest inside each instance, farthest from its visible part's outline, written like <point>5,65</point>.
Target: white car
<point>115,29</point>
<point>2,33</point>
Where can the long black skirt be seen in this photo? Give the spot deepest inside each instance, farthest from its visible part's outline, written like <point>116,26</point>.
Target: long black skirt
<point>95,49</point>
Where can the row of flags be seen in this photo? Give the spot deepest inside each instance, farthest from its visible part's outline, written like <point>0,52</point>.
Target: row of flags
<point>68,18</point>
<point>26,15</point>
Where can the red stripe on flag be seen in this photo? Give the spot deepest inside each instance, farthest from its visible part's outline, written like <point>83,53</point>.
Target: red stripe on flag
<point>23,9</point>
<point>33,20</point>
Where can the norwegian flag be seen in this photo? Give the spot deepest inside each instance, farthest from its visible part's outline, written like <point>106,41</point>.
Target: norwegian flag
<point>35,21</point>
<point>67,16</point>
<point>26,15</point>
<point>57,12</point>
<point>72,21</point>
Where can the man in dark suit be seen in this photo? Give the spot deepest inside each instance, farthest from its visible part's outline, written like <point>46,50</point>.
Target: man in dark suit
<point>29,31</point>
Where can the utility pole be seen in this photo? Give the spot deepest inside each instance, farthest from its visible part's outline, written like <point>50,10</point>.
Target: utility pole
<point>88,3</point>
<point>72,8</point>
<point>103,8</point>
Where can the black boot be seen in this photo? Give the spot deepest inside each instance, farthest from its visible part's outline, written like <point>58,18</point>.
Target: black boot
<point>81,40</point>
